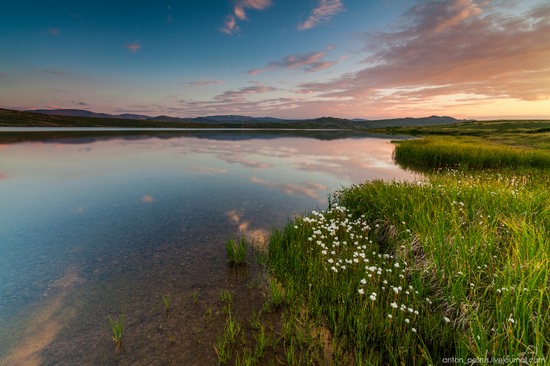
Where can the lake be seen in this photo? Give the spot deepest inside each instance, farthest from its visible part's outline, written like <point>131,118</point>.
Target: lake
<point>97,224</point>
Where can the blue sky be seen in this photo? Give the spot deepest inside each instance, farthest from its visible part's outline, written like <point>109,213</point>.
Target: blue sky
<point>291,59</point>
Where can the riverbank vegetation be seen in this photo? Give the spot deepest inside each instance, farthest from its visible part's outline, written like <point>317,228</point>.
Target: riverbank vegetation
<point>452,267</point>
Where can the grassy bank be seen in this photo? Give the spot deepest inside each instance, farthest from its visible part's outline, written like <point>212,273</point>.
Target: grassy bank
<point>450,268</point>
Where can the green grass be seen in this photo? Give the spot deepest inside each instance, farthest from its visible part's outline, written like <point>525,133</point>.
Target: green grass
<point>236,251</point>
<point>454,265</point>
<point>521,133</point>
<point>117,327</point>
<point>167,301</point>
<point>468,153</point>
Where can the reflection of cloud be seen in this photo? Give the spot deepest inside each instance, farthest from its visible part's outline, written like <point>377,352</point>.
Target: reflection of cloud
<point>238,159</point>
<point>3,176</point>
<point>43,326</point>
<point>258,237</point>
<point>147,199</point>
<point>303,189</point>
<point>347,160</point>
<point>79,209</point>
<point>235,217</point>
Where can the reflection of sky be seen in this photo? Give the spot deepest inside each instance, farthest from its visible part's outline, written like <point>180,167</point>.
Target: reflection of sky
<point>115,197</point>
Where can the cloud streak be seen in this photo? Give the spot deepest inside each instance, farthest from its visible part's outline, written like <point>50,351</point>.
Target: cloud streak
<point>241,94</point>
<point>204,82</point>
<point>322,13</point>
<point>452,47</point>
<point>230,26</point>
<point>310,62</point>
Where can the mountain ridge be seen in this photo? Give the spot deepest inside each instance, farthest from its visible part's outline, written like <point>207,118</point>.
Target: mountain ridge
<point>231,118</point>
<point>84,118</point>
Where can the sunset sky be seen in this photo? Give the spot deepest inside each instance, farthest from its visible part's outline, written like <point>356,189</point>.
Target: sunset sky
<point>281,58</point>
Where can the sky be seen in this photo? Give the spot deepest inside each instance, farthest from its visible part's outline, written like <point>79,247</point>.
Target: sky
<point>481,59</point>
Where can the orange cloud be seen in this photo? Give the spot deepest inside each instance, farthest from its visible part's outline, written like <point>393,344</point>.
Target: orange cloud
<point>310,62</point>
<point>239,12</point>
<point>134,46</point>
<point>233,95</point>
<point>326,10</point>
<point>451,48</point>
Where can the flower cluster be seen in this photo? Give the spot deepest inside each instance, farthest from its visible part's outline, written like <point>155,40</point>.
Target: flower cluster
<point>345,246</point>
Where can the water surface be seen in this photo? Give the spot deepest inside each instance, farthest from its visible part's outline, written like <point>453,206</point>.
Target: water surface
<point>99,223</point>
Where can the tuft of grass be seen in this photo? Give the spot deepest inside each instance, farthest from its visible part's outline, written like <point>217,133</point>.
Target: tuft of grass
<point>236,251</point>
<point>167,301</point>
<point>195,298</point>
<point>225,342</point>
<point>117,327</point>
<point>276,292</point>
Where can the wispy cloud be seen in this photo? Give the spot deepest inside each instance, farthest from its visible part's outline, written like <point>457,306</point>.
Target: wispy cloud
<point>239,12</point>
<point>310,62</point>
<point>82,104</point>
<point>54,31</point>
<point>323,12</point>
<point>54,71</point>
<point>241,94</point>
<point>451,47</point>
<point>169,16</point>
<point>203,82</point>
<point>233,103</point>
<point>230,25</point>
<point>134,46</point>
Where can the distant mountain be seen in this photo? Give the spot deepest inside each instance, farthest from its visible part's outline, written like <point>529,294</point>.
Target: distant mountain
<point>238,119</point>
<point>256,122</point>
<point>207,119</point>
<point>85,113</point>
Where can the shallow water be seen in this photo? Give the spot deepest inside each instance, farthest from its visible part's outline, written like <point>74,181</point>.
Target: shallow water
<point>97,224</point>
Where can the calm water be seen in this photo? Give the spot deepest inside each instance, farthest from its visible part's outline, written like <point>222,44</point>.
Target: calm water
<point>95,224</point>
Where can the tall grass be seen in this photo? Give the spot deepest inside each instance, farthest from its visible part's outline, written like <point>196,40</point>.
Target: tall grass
<point>117,328</point>
<point>453,266</point>
<point>468,152</point>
